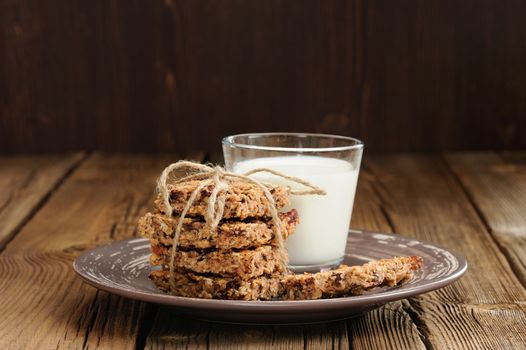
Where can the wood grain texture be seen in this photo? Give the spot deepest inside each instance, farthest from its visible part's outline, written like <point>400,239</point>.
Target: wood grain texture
<point>131,75</point>
<point>369,212</point>
<point>389,327</point>
<point>172,332</point>
<point>497,185</point>
<point>25,183</point>
<point>486,309</point>
<point>44,304</point>
<point>415,195</point>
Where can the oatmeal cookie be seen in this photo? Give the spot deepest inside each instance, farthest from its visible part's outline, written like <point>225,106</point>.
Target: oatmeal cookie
<point>350,280</point>
<point>192,285</point>
<point>245,264</point>
<point>242,200</point>
<point>229,234</point>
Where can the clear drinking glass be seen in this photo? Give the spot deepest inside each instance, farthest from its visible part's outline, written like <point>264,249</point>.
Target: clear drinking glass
<point>327,161</point>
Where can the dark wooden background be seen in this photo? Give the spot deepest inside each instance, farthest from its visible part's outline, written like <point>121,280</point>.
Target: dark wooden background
<point>169,75</point>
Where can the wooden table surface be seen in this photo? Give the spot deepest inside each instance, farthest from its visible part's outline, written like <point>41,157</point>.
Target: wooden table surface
<point>54,207</point>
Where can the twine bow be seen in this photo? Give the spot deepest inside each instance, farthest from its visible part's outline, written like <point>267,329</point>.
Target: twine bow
<point>221,179</point>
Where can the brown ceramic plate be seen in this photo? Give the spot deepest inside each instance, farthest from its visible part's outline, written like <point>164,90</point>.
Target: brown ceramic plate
<point>122,268</point>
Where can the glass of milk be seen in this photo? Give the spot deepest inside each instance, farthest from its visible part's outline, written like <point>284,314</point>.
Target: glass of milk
<point>328,161</point>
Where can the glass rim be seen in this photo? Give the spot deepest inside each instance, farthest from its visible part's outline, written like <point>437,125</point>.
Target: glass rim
<point>357,144</point>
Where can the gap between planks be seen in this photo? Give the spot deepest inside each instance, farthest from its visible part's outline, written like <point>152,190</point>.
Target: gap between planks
<point>486,224</point>
<point>22,213</point>
<point>405,306</point>
<point>461,170</point>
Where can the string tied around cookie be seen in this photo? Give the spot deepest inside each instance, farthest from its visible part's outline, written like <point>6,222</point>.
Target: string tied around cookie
<point>220,179</point>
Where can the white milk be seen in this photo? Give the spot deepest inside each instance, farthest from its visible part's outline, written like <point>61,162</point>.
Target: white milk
<point>321,236</point>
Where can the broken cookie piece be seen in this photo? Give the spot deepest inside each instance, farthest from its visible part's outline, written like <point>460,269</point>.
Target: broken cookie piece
<point>350,280</point>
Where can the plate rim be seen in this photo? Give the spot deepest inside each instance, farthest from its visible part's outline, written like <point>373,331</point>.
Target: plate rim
<point>273,305</point>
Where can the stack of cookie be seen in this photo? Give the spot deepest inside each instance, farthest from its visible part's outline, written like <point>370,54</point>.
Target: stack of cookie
<point>238,260</point>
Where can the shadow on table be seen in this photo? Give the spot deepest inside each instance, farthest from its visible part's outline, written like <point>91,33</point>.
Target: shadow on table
<point>170,329</point>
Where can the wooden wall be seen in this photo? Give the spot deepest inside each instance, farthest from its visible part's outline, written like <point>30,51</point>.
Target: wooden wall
<point>148,75</point>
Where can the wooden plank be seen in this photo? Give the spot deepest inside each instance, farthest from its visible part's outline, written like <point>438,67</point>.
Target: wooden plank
<point>276,65</point>
<point>25,183</point>
<point>390,327</point>
<point>172,332</point>
<point>487,307</point>
<point>497,185</point>
<point>261,337</point>
<point>368,212</point>
<point>44,305</point>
